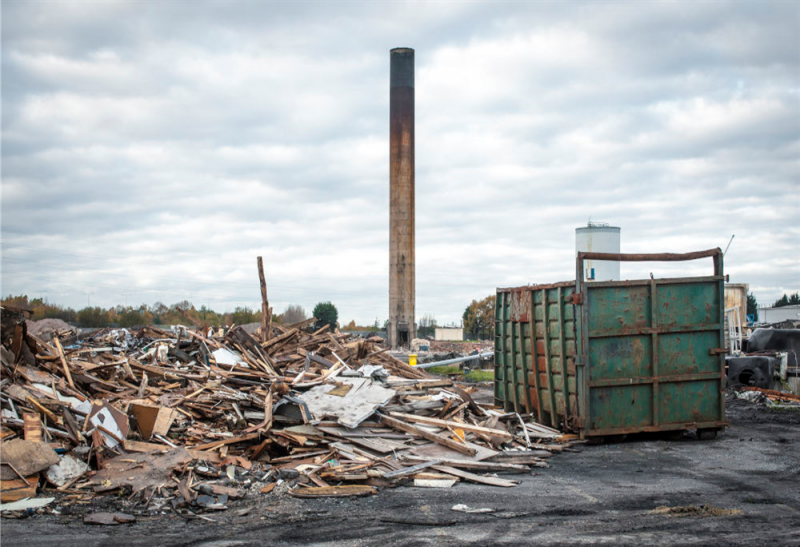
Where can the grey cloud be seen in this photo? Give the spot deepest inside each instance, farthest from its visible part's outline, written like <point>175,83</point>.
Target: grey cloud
<point>174,142</point>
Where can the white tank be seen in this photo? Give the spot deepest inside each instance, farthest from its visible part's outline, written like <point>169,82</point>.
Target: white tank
<point>598,238</point>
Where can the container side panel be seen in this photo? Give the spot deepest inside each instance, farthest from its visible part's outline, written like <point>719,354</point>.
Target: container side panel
<point>683,402</point>
<point>650,355</point>
<point>688,304</point>
<point>621,407</point>
<point>687,353</point>
<point>618,308</point>
<point>620,357</point>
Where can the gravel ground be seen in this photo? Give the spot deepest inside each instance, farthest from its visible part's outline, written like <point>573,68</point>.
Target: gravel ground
<point>605,494</point>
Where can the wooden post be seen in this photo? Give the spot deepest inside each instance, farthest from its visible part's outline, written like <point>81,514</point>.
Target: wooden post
<point>266,311</point>
<point>63,362</point>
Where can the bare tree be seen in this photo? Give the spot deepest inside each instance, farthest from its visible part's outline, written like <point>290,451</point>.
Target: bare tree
<point>428,320</point>
<point>158,308</point>
<point>294,313</point>
<point>427,325</point>
<point>182,306</point>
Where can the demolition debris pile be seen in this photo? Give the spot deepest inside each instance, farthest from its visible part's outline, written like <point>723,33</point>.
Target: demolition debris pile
<point>769,397</point>
<point>186,421</point>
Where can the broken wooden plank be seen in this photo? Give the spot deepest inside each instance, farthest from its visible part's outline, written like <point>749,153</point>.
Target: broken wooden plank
<point>485,466</point>
<point>333,491</point>
<point>18,488</point>
<point>266,424</point>
<point>438,439</point>
<point>153,420</point>
<point>449,423</point>
<point>472,477</point>
<point>139,446</point>
<point>266,311</point>
<point>392,475</point>
<point>64,362</point>
<point>223,442</point>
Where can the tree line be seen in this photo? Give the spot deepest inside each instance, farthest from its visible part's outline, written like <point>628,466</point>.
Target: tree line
<point>179,313</point>
<point>787,300</point>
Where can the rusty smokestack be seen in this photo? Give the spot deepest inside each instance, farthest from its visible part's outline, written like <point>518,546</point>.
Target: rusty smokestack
<point>401,329</point>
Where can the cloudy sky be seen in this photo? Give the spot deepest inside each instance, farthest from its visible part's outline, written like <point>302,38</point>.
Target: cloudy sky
<point>151,150</point>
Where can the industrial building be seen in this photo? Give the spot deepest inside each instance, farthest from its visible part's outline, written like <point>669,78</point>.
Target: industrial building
<point>778,315</point>
<point>448,334</point>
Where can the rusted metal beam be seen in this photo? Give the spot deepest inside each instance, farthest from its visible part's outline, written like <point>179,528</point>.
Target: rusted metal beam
<point>638,381</point>
<point>654,352</point>
<point>656,257</point>
<point>652,428</point>
<point>507,399</point>
<point>641,331</point>
<point>497,346</point>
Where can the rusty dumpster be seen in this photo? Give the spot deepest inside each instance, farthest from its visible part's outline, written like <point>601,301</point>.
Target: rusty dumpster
<point>616,357</point>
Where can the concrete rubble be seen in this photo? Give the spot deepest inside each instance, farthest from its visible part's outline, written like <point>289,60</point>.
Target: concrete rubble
<point>187,422</point>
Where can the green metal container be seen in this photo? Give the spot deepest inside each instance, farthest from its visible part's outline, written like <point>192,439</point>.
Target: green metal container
<point>617,357</point>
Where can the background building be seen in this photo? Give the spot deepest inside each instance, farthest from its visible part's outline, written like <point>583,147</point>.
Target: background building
<point>448,333</point>
<point>776,315</point>
<point>598,238</point>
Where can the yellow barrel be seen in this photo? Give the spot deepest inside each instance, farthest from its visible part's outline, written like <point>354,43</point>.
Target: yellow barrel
<point>412,359</point>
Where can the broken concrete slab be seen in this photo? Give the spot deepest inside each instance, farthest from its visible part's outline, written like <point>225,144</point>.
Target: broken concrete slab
<point>67,470</point>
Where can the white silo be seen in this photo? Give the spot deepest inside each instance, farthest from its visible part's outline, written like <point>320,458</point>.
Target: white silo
<point>598,238</point>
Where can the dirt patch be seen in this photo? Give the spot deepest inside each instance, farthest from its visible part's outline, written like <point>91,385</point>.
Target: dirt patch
<point>742,411</point>
<point>695,511</point>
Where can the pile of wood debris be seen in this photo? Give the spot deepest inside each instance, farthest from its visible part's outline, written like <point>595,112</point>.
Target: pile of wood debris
<point>186,421</point>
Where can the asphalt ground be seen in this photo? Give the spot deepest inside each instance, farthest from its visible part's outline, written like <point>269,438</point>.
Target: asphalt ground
<point>742,488</point>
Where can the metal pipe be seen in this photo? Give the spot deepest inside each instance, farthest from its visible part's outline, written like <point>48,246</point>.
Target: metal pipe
<point>456,360</point>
